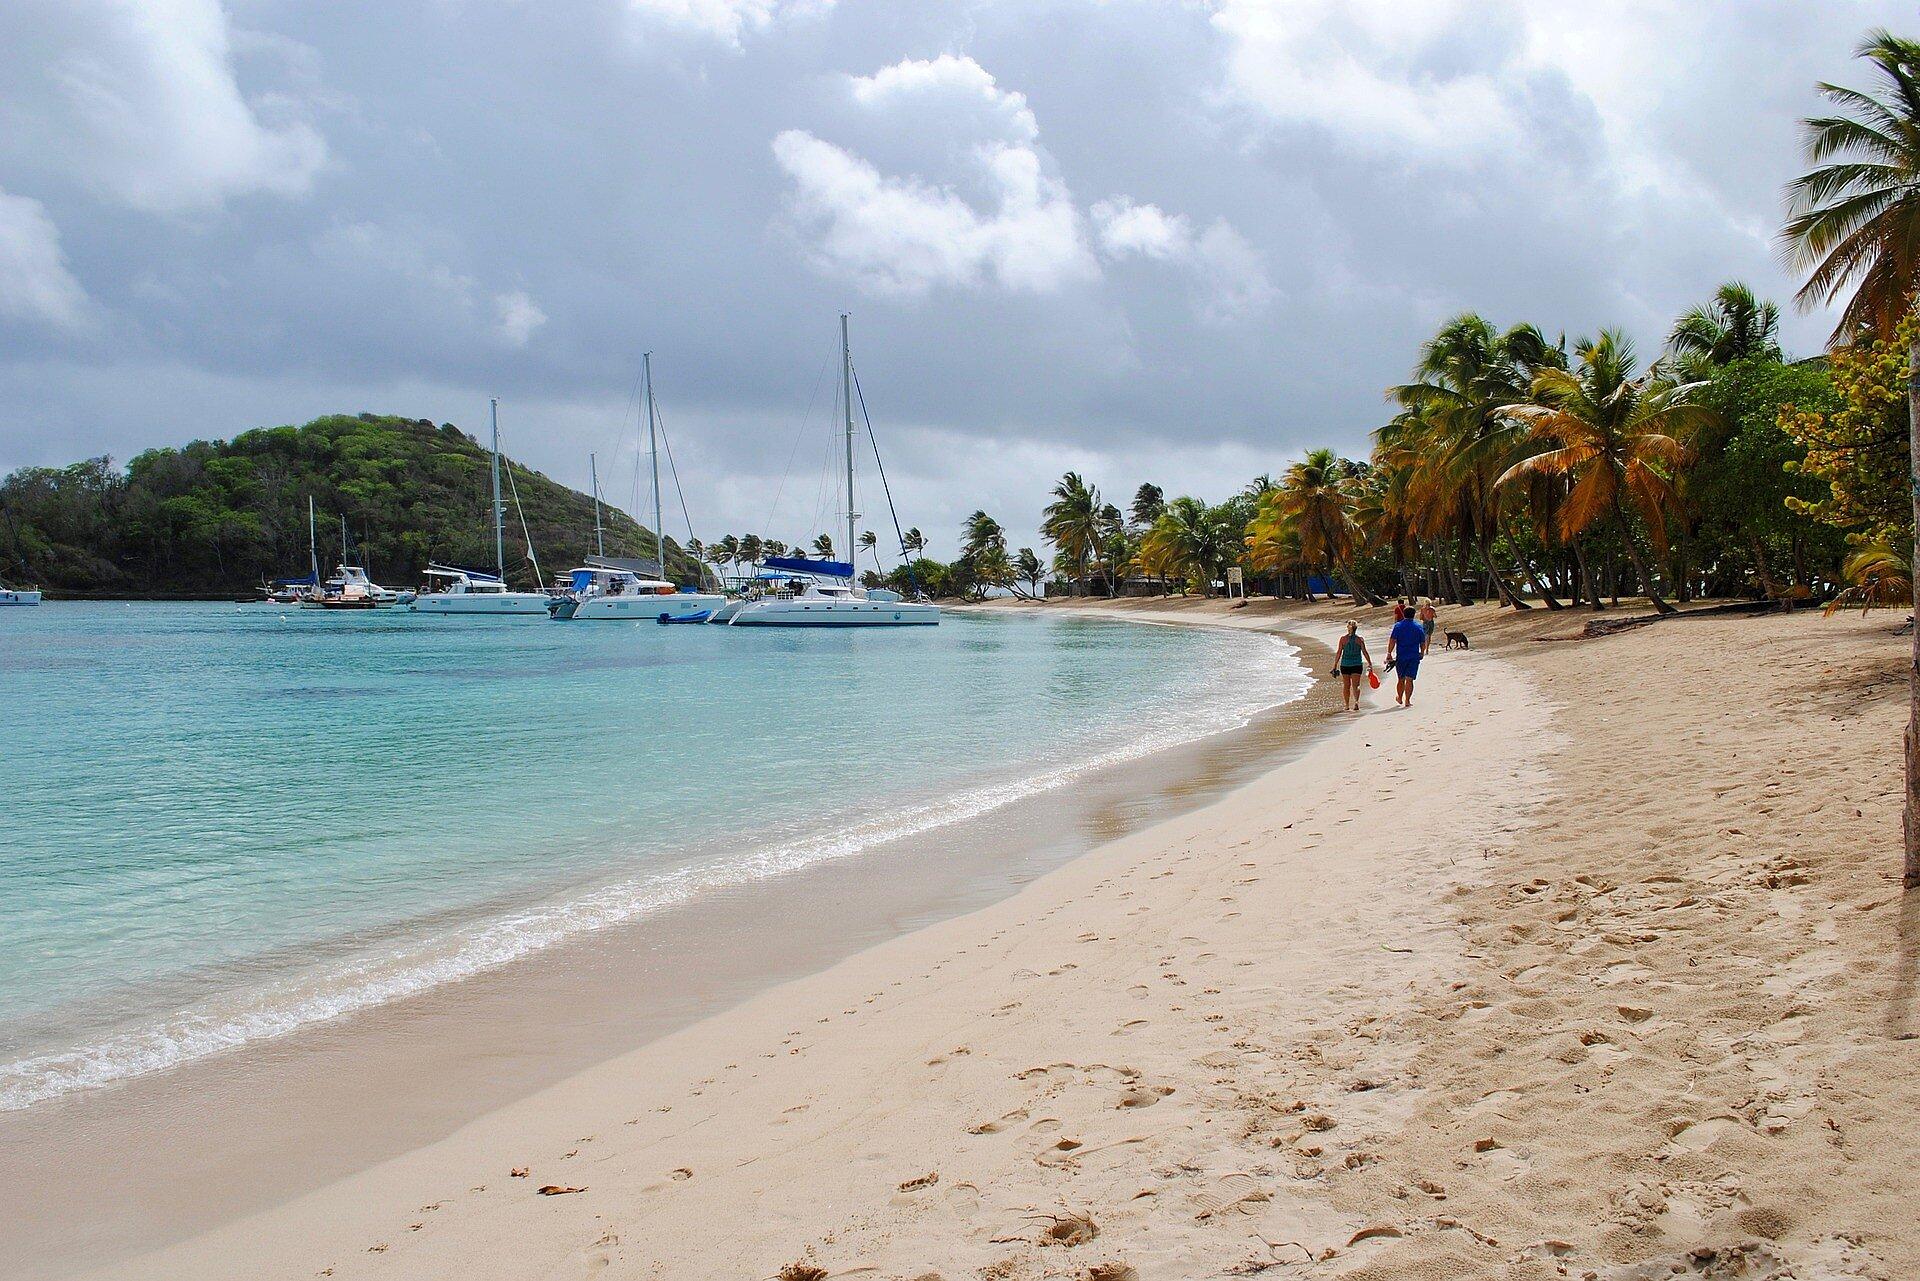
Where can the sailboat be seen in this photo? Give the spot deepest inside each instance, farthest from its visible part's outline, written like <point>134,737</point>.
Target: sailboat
<point>822,592</point>
<point>606,589</point>
<point>474,593</point>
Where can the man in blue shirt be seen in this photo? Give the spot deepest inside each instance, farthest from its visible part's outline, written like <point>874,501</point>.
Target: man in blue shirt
<point>1406,646</point>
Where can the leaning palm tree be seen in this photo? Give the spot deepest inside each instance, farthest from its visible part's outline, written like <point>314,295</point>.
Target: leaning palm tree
<point>1617,439</point>
<point>870,542</point>
<point>1854,224</point>
<point>823,546</point>
<point>1072,523</point>
<point>752,548</point>
<point>912,543</point>
<point>1736,325</point>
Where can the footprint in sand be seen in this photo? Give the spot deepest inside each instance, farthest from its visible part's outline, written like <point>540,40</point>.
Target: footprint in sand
<point>1143,1097</point>
<point>998,1123</point>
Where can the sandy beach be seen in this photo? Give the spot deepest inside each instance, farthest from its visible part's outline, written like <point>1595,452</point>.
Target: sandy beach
<point>1594,964</point>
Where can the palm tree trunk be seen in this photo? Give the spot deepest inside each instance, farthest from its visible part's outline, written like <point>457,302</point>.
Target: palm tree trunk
<point>1584,572</point>
<point>1768,587</point>
<point>1639,564</point>
<point>1911,818</point>
<point>1506,594</point>
<point>1540,585</point>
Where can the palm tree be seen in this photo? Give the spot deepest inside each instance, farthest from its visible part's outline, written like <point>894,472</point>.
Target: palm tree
<point>913,543</point>
<point>1191,540</point>
<point>1468,372</point>
<point>1027,566</point>
<point>1148,502</point>
<point>752,549</point>
<point>1854,223</point>
<point>870,542</point>
<point>726,551</point>
<point>981,535</point>
<point>1734,326</point>
<point>1072,523</point>
<point>1618,441</point>
<point>1315,498</point>
<point>823,546</point>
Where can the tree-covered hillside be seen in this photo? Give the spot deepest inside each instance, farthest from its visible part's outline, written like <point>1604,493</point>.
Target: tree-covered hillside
<point>217,517</point>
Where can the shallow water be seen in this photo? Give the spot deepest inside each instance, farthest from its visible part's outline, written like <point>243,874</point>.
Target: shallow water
<point>226,822</point>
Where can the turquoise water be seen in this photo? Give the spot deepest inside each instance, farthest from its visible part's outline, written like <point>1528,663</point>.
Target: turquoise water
<point>223,822</point>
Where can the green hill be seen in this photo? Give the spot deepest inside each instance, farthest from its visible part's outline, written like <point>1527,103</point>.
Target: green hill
<point>214,518</point>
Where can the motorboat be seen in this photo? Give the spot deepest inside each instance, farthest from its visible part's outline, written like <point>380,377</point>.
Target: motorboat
<point>475,593</point>
<point>19,595</point>
<point>611,593</point>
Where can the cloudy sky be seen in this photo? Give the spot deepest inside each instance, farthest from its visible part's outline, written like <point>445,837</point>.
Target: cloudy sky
<point>1176,240</point>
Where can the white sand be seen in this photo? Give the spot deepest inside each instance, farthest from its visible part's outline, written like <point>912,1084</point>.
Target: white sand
<point>1590,965</point>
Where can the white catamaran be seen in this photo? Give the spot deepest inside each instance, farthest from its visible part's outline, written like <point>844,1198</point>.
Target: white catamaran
<point>612,590</point>
<point>472,593</point>
<point>822,593</point>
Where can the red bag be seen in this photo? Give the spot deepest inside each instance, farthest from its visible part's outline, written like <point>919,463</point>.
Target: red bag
<point>1373,681</point>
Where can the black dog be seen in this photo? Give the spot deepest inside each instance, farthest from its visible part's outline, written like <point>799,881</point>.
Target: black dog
<point>1457,636</point>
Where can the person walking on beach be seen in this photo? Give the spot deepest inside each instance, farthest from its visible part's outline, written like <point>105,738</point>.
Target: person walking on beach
<point>1406,646</point>
<point>1428,619</point>
<point>1354,662</point>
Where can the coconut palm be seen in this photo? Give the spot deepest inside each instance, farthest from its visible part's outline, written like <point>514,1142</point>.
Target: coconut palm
<point>726,551</point>
<point>1190,540</point>
<point>1736,325</point>
<point>1314,497</point>
<point>1072,522</point>
<point>980,535</point>
<point>1467,373</point>
<point>1148,502</point>
<point>913,543</point>
<point>1877,577</point>
<point>752,549</point>
<point>1854,228</point>
<point>870,542</point>
<point>1028,569</point>
<point>1618,440</point>
<point>823,546</point>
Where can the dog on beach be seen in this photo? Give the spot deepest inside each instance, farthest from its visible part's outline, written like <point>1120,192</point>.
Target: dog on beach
<point>1461,637</point>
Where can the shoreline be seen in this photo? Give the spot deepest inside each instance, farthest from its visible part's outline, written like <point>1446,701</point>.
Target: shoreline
<point>304,1083</point>
<point>1331,1024</point>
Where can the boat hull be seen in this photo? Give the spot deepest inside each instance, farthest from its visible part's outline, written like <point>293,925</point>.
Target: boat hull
<point>801,612</point>
<point>681,607</point>
<point>11,597</point>
<point>490,605</point>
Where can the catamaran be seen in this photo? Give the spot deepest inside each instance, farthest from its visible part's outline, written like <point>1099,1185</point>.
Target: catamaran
<point>19,595</point>
<point>612,589</point>
<point>474,593</point>
<point>823,593</point>
<point>606,589</point>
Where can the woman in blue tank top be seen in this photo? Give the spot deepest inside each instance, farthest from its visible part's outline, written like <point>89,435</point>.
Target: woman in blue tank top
<point>1354,661</point>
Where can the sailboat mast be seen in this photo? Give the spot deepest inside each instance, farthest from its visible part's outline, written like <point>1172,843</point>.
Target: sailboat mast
<point>499,512</point>
<point>593,469</point>
<point>653,447</point>
<point>343,539</point>
<point>313,545</point>
<point>846,396</point>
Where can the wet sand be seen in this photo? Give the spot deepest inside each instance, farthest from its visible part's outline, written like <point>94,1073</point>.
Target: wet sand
<point>159,1159</point>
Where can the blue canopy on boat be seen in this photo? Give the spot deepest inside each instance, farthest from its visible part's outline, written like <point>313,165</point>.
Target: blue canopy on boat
<point>800,565</point>
<point>307,581</point>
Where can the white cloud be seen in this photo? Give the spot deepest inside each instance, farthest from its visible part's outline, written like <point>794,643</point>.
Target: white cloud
<point>725,20</point>
<point>35,284</point>
<point>948,86</point>
<point>903,235</point>
<point>1436,79</point>
<point>1228,274</point>
<point>138,101</point>
<point>516,316</point>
